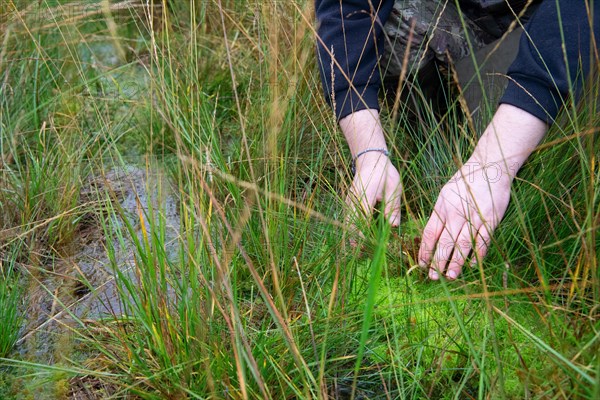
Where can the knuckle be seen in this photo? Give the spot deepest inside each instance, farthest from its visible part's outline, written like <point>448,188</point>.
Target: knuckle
<point>429,234</point>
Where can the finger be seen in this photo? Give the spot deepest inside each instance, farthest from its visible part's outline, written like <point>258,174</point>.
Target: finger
<point>462,247</point>
<point>393,203</point>
<point>482,243</point>
<point>445,247</point>
<point>431,233</point>
<point>360,206</point>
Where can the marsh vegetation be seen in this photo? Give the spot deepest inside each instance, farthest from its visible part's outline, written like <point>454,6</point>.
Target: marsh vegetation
<point>172,224</point>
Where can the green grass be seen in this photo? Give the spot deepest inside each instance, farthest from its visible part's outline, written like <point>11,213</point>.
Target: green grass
<point>10,318</point>
<point>256,293</point>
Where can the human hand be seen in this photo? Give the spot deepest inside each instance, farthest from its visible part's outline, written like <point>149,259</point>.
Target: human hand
<point>376,180</point>
<point>468,210</point>
<point>471,205</point>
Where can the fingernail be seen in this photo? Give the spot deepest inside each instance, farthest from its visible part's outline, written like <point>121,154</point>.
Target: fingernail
<point>452,274</point>
<point>433,275</point>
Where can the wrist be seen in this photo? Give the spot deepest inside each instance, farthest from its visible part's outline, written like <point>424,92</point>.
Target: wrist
<point>491,171</point>
<point>371,161</point>
<point>371,156</point>
<point>491,163</point>
<point>510,138</point>
<point>362,130</point>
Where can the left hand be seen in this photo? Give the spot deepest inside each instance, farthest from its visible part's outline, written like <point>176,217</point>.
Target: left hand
<point>468,210</point>
<point>472,204</point>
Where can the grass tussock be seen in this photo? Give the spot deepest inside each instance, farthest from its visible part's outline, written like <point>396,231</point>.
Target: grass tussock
<point>183,150</point>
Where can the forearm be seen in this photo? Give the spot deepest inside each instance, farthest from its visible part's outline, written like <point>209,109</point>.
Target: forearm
<point>362,130</point>
<point>512,135</point>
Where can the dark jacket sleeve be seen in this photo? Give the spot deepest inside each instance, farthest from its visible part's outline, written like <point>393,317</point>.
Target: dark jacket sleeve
<point>349,45</point>
<point>545,73</point>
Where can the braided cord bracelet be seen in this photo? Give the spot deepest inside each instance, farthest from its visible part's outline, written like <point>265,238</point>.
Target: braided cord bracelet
<point>380,150</point>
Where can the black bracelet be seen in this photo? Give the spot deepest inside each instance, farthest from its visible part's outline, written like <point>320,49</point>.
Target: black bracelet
<point>353,164</point>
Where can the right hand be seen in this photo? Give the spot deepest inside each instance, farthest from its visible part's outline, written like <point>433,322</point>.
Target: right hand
<point>376,181</point>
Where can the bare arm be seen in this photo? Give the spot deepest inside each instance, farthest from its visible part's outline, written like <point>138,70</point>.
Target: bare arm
<point>376,179</point>
<point>472,204</point>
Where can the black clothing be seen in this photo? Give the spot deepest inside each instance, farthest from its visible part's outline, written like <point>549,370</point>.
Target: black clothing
<point>539,79</point>
<point>352,32</point>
